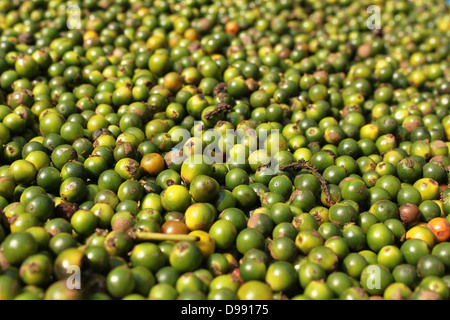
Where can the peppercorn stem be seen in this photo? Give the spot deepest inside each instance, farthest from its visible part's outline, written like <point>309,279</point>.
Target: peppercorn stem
<point>303,165</point>
<point>154,236</point>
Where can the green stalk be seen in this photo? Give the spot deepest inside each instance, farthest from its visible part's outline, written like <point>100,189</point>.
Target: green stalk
<point>154,236</point>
